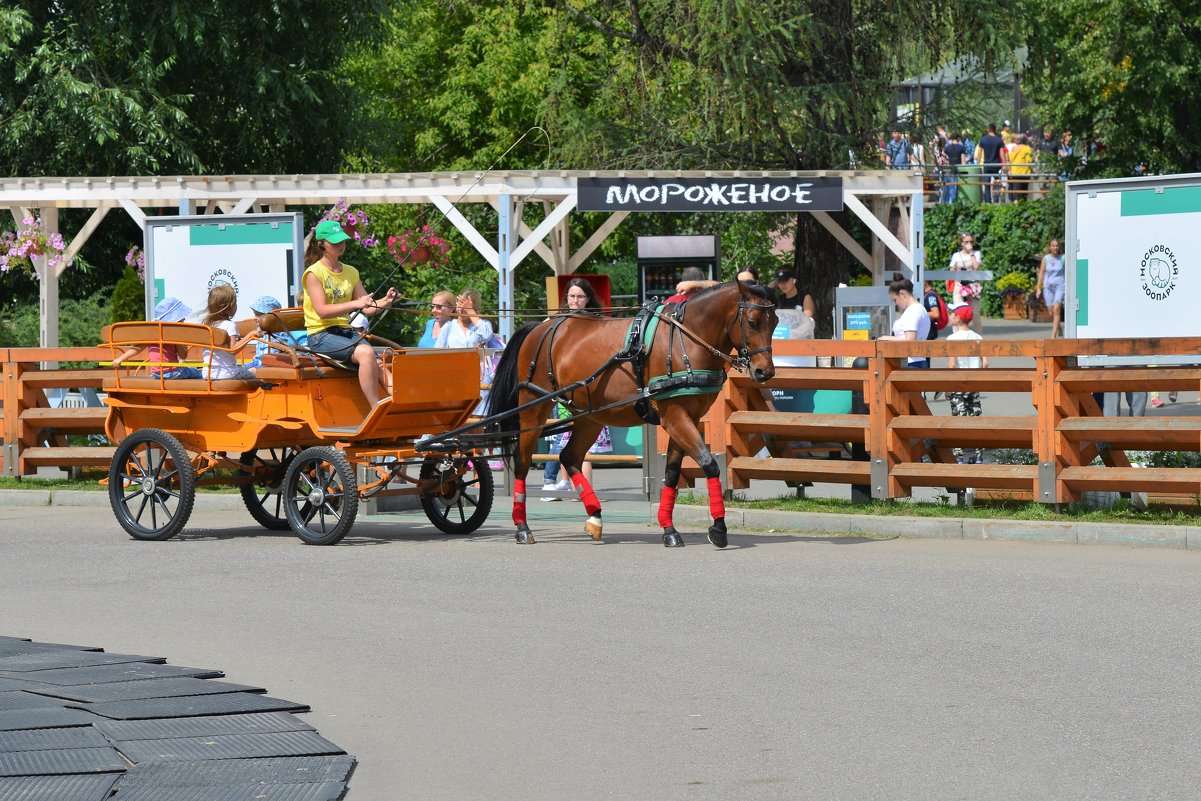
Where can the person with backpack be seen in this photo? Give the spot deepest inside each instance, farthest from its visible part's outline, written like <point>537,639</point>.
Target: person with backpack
<point>897,152</point>
<point>936,310</point>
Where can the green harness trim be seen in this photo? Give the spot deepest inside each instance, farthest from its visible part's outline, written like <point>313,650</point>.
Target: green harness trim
<point>673,385</point>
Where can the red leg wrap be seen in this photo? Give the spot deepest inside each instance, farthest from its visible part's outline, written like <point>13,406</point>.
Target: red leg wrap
<point>591,504</point>
<point>667,504</point>
<point>518,501</point>
<point>717,504</point>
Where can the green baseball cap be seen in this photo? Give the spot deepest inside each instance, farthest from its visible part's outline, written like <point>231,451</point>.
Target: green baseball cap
<point>331,231</point>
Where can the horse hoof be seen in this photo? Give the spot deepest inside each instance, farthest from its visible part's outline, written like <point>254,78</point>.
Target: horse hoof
<point>524,535</point>
<point>672,538</point>
<point>594,526</point>
<point>717,536</point>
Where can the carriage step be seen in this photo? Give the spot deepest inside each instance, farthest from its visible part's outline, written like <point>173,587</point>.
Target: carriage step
<point>338,430</point>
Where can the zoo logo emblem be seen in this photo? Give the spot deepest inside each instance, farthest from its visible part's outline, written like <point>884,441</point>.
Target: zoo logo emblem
<point>223,276</point>
<point>1158,272</point>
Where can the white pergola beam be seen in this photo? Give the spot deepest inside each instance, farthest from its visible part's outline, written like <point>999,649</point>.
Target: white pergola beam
<point>878,228</point>
<point>565,207</point>
<point>464,227</point>
<point>81,237</point>
<point>138,215</point>
<point>845,239</point>
<point>599,235</point>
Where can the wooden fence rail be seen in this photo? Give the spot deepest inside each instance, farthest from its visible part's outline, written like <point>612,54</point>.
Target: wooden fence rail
<point>903,444</point>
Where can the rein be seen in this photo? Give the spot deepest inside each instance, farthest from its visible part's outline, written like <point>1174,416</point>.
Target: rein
<point>743,362</point>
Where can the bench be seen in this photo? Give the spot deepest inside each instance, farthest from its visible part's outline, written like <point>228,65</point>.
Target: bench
<point>143,334</point>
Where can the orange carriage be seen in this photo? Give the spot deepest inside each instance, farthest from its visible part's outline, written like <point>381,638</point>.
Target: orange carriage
<point>299,440</point>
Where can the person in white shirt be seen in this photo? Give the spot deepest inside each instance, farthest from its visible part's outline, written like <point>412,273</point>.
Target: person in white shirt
<point>965,404</point>
<point>468,329</point>
<point>219,363</point>
<point>967,258</point>
<point>913,324</point>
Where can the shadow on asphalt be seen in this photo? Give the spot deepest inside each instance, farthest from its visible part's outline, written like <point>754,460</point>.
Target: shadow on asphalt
<point>383,533</point>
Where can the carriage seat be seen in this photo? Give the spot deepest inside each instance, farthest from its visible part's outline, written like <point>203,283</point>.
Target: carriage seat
<point>141,334</point>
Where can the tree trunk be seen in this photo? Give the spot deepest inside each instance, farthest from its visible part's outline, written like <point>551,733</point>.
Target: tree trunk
<point>820,262</point>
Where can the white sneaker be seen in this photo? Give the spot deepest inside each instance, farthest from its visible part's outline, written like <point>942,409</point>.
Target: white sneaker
<point>550,488</point>
<point>564,485</point>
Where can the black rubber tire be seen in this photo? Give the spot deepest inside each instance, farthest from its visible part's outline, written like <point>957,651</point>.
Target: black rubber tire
<point>157,463</point>
<point>325,469</point>
<point>259,496</point>
<point>473,489</point>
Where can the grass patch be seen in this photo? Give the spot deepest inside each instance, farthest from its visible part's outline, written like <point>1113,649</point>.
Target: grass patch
<point>89,483</point>
<point>1123,512</point>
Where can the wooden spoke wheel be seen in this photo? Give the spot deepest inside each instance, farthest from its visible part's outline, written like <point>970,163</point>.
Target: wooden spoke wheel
<point>263,495</point>
<point>151,485</point>
<point>461,502</point>
<point>321,496</point>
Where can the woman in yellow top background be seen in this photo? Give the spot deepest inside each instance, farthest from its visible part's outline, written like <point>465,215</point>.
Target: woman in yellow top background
<point>332,293</point>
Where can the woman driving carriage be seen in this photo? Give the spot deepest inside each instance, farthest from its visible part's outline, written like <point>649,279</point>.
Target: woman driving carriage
<point>332,293</point>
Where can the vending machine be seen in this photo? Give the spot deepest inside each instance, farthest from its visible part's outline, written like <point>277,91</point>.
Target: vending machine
<point>663,259</point>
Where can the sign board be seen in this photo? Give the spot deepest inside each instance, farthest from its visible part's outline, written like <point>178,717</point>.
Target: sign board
<point>862,312</point>
<point>710,194</point>
<point>257,254</point>
<point>1133,260</point>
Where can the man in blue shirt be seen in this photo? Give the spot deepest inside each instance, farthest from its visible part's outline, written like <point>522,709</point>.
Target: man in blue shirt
<point>896,152</point>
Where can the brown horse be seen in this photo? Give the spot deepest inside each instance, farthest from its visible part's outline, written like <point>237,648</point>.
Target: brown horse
<point>684,359</point>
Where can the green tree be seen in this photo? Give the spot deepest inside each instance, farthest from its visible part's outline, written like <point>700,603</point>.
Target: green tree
<point>1121,75</point>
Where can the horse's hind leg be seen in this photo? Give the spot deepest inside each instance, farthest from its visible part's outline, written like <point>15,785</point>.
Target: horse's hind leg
<point>583,434</point>
<point>526,442</point>
<point>667,500</point>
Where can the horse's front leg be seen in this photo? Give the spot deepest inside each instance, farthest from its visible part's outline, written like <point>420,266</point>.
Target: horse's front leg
<point>667,499</point>
<point>682,429</point>
<point>583,434</point>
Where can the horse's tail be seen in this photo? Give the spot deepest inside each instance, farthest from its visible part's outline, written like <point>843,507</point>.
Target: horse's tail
<point>503,395</point>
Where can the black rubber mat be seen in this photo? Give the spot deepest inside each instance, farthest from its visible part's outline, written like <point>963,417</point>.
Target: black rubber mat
<point>24,700</point>
<point>11,647</point>
<point>46,739</point>
<point>50,660</point>
<point>329,791</point>
<point>148,688</point>
<point>8,685</point>
<point>58,788</point>
<point>108,674</point>
<point>217,772</point>
<point>45,718</point>
<point>228,746</point>
<point>61,762</point>
<point>190,705</point>
<point>201,727</point>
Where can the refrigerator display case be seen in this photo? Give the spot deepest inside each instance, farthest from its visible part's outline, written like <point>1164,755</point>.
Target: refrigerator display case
<point>663,259</point>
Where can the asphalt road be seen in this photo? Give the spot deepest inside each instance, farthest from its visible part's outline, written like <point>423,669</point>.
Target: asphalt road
<point>786,667</point>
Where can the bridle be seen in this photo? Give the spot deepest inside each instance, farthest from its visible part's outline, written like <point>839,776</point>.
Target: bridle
<point>743,362</point>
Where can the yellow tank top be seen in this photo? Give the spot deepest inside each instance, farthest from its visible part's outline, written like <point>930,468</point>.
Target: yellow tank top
<point>339,288</point>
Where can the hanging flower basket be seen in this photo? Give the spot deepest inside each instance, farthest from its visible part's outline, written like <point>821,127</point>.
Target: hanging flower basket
<point>354,222</point>
<point>420,246</point>
<point>19,249</point>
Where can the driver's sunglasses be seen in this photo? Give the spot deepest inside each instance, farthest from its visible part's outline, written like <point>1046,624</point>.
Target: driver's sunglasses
<point>441,306</point>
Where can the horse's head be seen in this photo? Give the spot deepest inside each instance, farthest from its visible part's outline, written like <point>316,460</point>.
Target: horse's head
<point>752,330</point>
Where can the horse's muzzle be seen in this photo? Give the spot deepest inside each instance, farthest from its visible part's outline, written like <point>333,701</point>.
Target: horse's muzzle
<point>761,375</point>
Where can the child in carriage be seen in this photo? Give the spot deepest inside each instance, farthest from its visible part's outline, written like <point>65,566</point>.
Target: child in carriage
<point>160,354</point>
<point>264,309</point>
<point>220,363</point>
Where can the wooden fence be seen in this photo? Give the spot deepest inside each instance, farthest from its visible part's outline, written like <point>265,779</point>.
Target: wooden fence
<point>904,445</point>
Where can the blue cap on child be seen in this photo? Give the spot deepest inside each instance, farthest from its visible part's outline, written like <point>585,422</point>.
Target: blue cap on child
<point>170,310</point>
<point>265,304</point>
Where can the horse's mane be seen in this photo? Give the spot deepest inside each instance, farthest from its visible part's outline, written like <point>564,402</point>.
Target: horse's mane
<point>755,289</point>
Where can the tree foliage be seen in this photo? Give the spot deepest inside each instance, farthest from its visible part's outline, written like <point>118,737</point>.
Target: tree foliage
<point>1121,74</point>
<point>117,87</point>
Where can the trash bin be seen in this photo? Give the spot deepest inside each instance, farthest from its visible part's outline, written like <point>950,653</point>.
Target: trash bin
<point>969,183</point>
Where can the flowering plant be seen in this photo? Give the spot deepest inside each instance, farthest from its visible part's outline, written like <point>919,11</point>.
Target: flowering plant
<point>420,245</point>
<point>136,258</point>
<point>354,222</point>
<point>1012,284</point>
<point>18,249</point>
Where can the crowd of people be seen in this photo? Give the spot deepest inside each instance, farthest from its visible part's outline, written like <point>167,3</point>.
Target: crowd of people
<point>1012,166</point>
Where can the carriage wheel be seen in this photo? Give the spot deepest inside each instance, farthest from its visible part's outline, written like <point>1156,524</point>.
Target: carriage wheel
<point>321,496</point>
<point>264,495</point>
<point>151,485</point>
<point>460,504</point>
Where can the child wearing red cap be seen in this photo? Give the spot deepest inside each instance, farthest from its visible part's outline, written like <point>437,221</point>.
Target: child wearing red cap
<point>965,404</point>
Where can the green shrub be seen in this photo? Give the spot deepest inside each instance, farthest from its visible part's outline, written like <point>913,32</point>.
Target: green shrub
<point>1011,237</point>
<point>129,297</point>
<point>79,324</point>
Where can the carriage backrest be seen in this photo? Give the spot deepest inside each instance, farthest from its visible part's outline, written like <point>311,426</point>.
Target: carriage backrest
<point>136,334</point>
<point>279,321</point>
